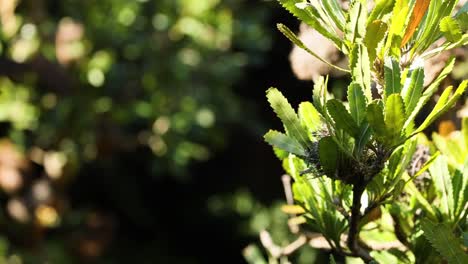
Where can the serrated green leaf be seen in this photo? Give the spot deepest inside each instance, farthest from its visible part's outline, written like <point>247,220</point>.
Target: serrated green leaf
<point>329,11</point>
<point>460,191</point>
<point>429,30</point>
<point>382,7</point>
<point>363,138</point>
<point>334,10</point>
<point>282,141</point>
<point>375,117</point>
<point>280,154</point>
<point>392,76</point>
<point>360,69</point>
<point>356,22</point>
<point>394,117</point>
<point>400,17</point>
<point>451,29</point>
<point>442,239</point>
<point>309,116</point>
<point>413,88</point>
<point>343,120</point>
<point>319,95</point>
<point>357,102</point>
<point>429,92</point>
<point>443,105</point>
<point>443,184</point>
<point>374,36</point>
<point>443,99</point>
<point>289,117</point>
<point>310,19</point>
<point>295,39</point>
<point>329,155</point>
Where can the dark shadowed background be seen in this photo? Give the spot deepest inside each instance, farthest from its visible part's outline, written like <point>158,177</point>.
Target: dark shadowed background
<point>132,130</point>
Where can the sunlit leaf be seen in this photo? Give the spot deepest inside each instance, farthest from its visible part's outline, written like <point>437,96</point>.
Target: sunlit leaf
<point>356,23</point>
<point>309,116</point>
<point>451,29</point>
<point>360,69</point>
<point>430,91</point>
<point>444,104</point>
<point>400,15</point>
<point>394,117</point>
<point>288,116</point>
<point>413,88</point>
<point>375,117</point>
<point>310,19</point>
<point>382,7</point>
<point>443,183</point>
<point>374,36</point>
<point>392,76</point>
<point>334,10</point>
<point>284,142</point>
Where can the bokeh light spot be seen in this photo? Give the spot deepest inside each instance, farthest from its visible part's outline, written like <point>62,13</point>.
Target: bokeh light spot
<point>160,22</point>
<point>47,216</point>
<point>28,31</point>
<point>161,125</point>
<point>205,118</point>
<point>127,16</point>
<point>17,209</point>
<point>96,77</point>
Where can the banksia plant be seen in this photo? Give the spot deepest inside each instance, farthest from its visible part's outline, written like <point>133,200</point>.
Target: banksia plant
<point>355,164</point>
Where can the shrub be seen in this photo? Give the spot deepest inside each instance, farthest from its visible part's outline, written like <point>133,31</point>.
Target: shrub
<point>365,177</point>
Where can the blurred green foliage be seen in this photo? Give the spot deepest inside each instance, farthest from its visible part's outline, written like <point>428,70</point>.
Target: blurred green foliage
<point>82,82</point>
<point>154,73</point>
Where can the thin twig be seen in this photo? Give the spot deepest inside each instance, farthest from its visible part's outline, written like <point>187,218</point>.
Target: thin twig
<point>286,179</point>
<point>291,248</point>
<point>267,242</point>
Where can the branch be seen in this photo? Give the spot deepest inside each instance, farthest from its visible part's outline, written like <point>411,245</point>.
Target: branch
<point>277,251</point>
<point>353,235</point>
